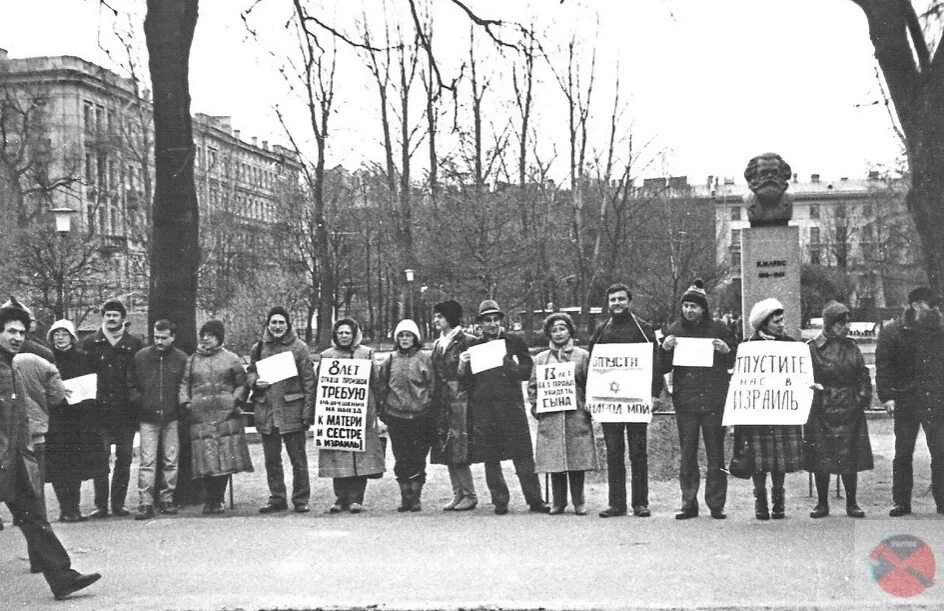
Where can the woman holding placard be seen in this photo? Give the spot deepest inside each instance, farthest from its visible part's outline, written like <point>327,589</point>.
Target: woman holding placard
<point>776,449</point>
<point>565,445</point>
<point>837,436</point>
<point>351,469</point>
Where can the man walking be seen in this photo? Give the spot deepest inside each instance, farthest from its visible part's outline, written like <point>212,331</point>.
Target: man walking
<point>624,328</point>
<point>154,376</point>
<point>498,423</point>
<point>109,351</point>
<point>19,473</point>
<point>909,378</point>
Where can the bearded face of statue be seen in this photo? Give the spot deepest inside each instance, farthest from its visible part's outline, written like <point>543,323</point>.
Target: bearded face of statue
<point>767,180</point>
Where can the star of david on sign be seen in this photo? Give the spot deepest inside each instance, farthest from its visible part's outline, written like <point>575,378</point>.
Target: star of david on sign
<point>614,388</point>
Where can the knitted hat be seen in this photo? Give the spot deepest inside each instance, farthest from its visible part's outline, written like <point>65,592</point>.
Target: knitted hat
<point>487,307</point>
<point>407,325</point>
<point>214,328</point>
<point>280,311</point>
<point>559,317</point>
<point>696,294</point>
<point>113,305</point>
<point>922,293</point>
<point>451,310</point>
<point>762,311</point>
<point>832,312</point>
<point>62,324</point>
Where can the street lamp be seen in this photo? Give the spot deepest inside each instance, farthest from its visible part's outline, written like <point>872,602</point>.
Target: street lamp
<point>63,219</point>
<point>409,280</point>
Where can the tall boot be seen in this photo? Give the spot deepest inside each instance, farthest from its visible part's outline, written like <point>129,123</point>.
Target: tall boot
<point>850,482</point>
<point>760,496</point>
<point>822,493</point>
<point>576,492</point>
<point>456,481</point>
<point>558,493</point>
<point>777,496</point>
<point>406,496</point>
<point>416,487</point>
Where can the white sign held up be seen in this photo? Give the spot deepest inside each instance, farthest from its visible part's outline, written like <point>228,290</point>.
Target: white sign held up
<point>557,388</point>
<point>693,352</point>
<point>83,388</point>
<point>341,405</point>
<point>487,356</point>
<point>619,383</point>
<point>277,367</point>
<point>770,385</point>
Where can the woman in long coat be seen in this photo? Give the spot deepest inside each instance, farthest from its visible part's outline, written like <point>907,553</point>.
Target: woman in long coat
<point>565,445</point>
<point>349,469</point>
<point>211,391</point>
<point>777,449</point>
<point>836,434</point>
<point>74,446</point>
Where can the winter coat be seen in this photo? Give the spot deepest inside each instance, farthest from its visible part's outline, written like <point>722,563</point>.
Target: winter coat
<point>113,409</point>
<point>700,389</point>
<point>498,423</point>
<point>74,443</point>
<point>346,463</point>
<point>39,385</point>
<point>408,384</point>
<point>154,383</point>
<point>631,330</point>
<point>836,435</point>
<point>288,405</point>
<point>213,385</point>
<point>909,364</point>
<point>19,471</point>
<point>450,402</point>
<point>565,440</point>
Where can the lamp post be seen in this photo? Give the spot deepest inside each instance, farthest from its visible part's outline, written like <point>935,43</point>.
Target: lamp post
<point>409,280</point>
<point>63,218</point>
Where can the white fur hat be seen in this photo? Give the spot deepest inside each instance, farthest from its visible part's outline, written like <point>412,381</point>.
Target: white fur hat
<point>762,310</point>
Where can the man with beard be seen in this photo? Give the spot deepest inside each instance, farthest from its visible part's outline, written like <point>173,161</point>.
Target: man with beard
<point>110,350</point>
<point>768,177</point>
<point>20,481</point>
<point>624,328</point>
<point>698,395</point>
<point>909,378</point>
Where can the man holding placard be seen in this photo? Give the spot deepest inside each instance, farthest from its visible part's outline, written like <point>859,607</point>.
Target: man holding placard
<point>623,387</point>
<point>283,385</point>
<point>699,351</point>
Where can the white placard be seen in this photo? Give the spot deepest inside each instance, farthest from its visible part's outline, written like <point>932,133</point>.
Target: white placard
<point>277,367</point>
<point>83,388</point>
<point>341,405</point>
<point>487,356</point>
<point>619,383</point>
<point>770,385</point>
<point>693,352</point>
<point>557,387</point>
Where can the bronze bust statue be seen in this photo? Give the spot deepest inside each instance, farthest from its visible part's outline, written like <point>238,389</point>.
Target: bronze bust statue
<point>768,177</point>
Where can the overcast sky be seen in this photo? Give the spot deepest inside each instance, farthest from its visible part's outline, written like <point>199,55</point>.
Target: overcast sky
<point>708,84</point>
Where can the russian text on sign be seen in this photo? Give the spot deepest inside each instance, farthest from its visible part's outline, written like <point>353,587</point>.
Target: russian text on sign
<point>770,385</point>
<point>619,383</point>
<point>341,406</point>
<point>557,387</point>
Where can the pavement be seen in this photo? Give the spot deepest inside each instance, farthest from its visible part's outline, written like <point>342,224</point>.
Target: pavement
<point>381,559</point>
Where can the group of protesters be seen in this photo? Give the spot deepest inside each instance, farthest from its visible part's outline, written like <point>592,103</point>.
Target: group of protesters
<point>438,406</point>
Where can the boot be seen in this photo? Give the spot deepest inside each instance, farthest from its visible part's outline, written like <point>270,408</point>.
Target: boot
<point>850,482</point>
<point>468,502</point>
<point>822,493</point>
<point>558,493</point>
<point>760,497</point>
<point>406,496</point>
<point>777,497</point>
<point>456,498</point>
<point>417,488</point>
<point>576,492</point>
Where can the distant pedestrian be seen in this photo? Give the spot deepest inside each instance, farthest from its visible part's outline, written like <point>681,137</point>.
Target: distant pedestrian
<point>408,385</point>
<point>350,470</point>
<point>565,445</point>
<point>154,376</point>
<point>284,411</point>
<point>836,436</point>
<point>109,351</point>
<point>909,378</point>
<point>211,391</point>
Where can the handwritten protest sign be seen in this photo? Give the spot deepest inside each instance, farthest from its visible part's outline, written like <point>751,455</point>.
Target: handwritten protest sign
<point>770,385</point>
<point>341,407</point>
<point>277,367</point>
<point>487,356</point>
<point>83,388</point>
<point>619,383</point>
<point>557,388</point>
<point>693,352</point>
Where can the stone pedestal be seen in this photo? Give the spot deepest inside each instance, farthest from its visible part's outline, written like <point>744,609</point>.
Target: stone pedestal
<point>770,267</point>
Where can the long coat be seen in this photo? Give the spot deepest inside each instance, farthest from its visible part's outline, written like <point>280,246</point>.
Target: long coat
<point>836,434</point>
<point>19,471</point>
<point>776,448</point>
<point>287,404</point>
<point>498,424</point>
<point>346,463</point>
<point>450,402</point>
<point>213,385</point>
<point>74,445</point>
<point>909,365</point>
<point>565,440</point>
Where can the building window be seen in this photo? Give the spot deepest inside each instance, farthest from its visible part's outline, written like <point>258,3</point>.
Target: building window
<point>814,256</point>
<point>814,235</point>
<point>88,117</point>
<point>814,211</point>
<point>735,213</point>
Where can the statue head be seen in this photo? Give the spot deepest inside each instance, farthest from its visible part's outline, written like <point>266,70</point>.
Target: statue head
<point>768,176</point>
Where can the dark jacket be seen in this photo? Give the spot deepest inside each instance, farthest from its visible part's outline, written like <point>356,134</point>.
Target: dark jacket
<point>288,405</point>
<point>154,383</point>
<point>909,360</point>
<point>408,384</point>
<point>19,472</point>
<point>631,330</point>
<point>111,365</point>
<point>700,389</point>
<point>74,443</point>
<point>450,402</point>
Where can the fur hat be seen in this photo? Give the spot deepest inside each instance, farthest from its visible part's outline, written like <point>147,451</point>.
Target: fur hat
<point>762,311</point>
<point>563,317</point>
<point>8,313</point>
<point>280,311</point>
<point>832,312</point>
<point>113,305</point>
<point>922,293</point>
<point>13,302</point>
<point>451,310</point>
<point>214,328</point>
<point>487,307</point>
<point>696,294</point>
<point>63,324</point>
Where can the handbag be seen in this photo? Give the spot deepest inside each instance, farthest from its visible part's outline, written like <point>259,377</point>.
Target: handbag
<point>742,460</point>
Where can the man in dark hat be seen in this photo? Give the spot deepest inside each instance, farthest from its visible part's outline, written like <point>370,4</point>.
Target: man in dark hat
<point>110,350</point>
<point>909,378</point>
<point>499,423</point>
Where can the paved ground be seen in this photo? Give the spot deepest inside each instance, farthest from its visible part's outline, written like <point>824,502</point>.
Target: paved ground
<point>432,560</point>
